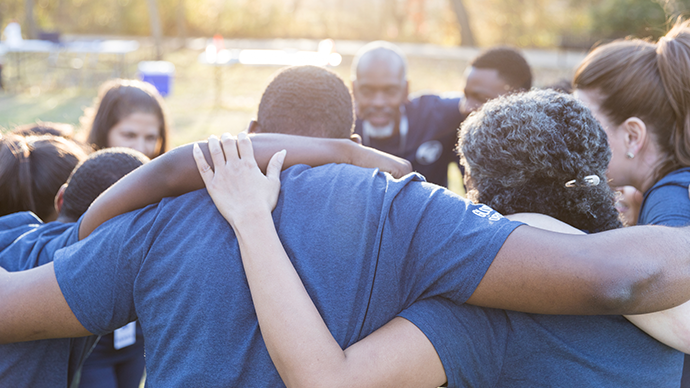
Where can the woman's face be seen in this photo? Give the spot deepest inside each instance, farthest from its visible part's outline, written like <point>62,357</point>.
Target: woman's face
<point>616,137</point>
<point>138,131</point>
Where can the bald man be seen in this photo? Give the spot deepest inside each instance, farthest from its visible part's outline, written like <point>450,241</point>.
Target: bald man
<point>423,129</point>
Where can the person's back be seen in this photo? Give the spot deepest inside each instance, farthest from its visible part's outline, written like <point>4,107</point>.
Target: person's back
<point>558,160</point>
<point>179,271</point>
<point>26,242</point>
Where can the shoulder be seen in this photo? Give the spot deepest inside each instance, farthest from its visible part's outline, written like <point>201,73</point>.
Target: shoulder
<point>667,202</point>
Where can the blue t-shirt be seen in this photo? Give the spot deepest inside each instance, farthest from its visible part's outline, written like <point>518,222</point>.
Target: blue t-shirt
<point>26,242</point>
<point>667,203</point>
<point>365,245</point>
<point>429,145</point>
<point>482,347</point>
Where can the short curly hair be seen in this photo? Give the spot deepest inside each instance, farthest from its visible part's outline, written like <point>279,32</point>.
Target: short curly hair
<point>510,64</point>
<point>520,150</point>
<point>307,101</point>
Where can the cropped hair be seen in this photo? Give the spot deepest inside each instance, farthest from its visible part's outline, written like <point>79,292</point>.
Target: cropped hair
<point>510,64</point>
<point>307,101</point>
<point>45,128</point>
<point>378,49</point>
<point>118,99</point>
<point>651,81</point>
<point>520,150</point>
<point>94,175</point>
<point>32,169</point>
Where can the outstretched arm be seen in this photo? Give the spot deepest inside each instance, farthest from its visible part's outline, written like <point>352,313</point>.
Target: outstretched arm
<point>671,327</point>
<point>174,173</point>
<point>633,270</point>
<point>33,307</point>
<point>301,346</point>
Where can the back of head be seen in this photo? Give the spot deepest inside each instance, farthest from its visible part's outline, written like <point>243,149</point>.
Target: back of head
<point>94,175</point>
<point>306,101</point>
<point>32,169</point>
<point>45,128</point>
<point>379,50</point>
<point>520,151</point>
<point>118,99</point>
<point>509,63</point>
<point>637,78</point>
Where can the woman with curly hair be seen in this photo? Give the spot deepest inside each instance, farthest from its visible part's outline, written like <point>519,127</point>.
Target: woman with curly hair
<point>541,152</point>
<point>640,93</point>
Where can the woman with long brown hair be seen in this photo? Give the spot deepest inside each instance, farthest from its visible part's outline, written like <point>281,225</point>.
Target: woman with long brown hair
<point>640,93</point>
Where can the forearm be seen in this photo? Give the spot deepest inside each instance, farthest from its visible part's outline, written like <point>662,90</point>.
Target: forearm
<point>671,327</point>
<point>314,151</point>
<point>300,345</point>
<point>627,271</point>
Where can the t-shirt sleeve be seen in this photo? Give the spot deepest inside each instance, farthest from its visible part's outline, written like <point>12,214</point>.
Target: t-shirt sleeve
<point>97,274</point>
<point>470,341</point>
<point>666,205</point>
<point>444,243</point>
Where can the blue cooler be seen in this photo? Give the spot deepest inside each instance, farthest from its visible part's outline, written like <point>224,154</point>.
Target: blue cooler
<point>159,74</point>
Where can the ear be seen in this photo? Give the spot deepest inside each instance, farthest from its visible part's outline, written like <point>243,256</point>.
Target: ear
<point>635,134</point>
<point>356,138</point>
<point>254,127</point>
<point>59,198</point>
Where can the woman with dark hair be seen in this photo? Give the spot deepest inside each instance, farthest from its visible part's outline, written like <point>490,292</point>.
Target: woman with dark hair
<point>540,152</point>
<point>32,170</point>
<point>128,113</point>
<point>131,114</point>
<point>640,93</point>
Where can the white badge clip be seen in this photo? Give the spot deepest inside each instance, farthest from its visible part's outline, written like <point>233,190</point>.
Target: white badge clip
<point>125,336</point>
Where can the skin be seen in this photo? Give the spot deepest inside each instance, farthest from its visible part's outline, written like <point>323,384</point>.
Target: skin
<point>301,346</point>
<point>380,88</point>
<point>481,86</point>
<point>535,271</point>
<point>139,131</point>
<point>631,136</point>
<point>628,204</point>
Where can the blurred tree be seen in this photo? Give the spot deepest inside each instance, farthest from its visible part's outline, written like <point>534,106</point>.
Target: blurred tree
<point>466,34</point>
<point>29,23</point>
<point>156,29</point>
<point>613,19</point>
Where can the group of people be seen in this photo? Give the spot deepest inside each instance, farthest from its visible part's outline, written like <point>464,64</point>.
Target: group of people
<point>342,275</point>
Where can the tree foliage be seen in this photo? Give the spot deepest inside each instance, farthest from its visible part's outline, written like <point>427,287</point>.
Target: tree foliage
<point>522,23</point>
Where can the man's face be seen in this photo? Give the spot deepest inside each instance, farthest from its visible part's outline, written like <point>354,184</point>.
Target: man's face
<point>379,90</point>
<point>481,86</point>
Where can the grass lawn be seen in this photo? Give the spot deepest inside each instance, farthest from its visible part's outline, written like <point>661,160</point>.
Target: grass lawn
<point>205,100</point>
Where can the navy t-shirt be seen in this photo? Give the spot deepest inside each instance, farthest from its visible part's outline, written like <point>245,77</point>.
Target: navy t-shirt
<point>26,242</point>
<point>667,203</point>
<point>482,347</point>
<point>365,245</point>
<point>433,123</point>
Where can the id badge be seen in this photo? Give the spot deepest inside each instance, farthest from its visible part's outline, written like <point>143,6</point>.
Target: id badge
<point>125,336</point>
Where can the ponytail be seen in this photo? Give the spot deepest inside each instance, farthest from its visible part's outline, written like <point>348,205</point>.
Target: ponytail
<point>673,60</point>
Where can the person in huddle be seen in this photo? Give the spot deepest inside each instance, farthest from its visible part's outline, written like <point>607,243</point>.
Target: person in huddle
<point>27,242</point>
<point>32,170</point>
<point>640,92</point>
<point>128,113</point>
<point>557,165</point>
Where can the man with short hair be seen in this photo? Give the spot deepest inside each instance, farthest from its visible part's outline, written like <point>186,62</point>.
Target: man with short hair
<point>423,129</point>
<point>26,242</point>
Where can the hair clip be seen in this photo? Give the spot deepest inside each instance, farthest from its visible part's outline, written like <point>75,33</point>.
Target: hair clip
<point>589,180</point>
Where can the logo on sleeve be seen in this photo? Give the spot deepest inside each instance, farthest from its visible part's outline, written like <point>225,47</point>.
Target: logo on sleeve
<point>429,152</point>
<point>485,211</point>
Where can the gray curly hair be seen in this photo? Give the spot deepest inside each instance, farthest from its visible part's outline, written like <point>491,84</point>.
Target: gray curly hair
<point>519,151</point>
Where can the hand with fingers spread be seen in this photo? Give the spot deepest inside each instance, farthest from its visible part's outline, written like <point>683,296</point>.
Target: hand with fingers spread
<point>238,188</point>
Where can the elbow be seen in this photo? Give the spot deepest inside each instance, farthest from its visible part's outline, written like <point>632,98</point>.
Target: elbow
<point>631,290</point>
